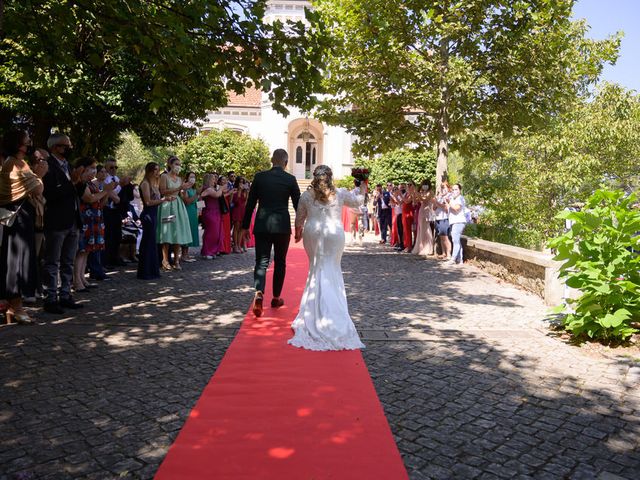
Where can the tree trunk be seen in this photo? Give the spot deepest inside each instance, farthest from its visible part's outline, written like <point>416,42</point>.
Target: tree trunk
<point>443,116</point>
<point>443,146</point>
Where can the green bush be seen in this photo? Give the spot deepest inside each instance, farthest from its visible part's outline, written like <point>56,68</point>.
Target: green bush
<point>346,182</point>
<point>132,156</point>
<point>224,150</point>
<point>600,255</point>
<point>400,165</point>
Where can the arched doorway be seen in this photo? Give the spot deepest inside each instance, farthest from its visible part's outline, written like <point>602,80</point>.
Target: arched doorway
<point>305,146</point>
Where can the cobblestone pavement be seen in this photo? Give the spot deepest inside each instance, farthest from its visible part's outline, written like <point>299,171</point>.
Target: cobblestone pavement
<point>470,382</point>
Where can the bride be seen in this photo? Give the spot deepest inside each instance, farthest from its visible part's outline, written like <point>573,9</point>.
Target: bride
<point>323,322</point>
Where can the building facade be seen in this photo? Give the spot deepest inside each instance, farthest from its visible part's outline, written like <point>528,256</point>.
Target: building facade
<point>308,141</point>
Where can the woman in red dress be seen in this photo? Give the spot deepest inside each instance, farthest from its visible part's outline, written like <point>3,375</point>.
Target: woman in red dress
<point>241,188</point>
<point>226,215</point>
<point>407,217</point>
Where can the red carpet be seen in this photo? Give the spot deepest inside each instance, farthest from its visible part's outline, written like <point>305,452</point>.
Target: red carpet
<point>273,411</point>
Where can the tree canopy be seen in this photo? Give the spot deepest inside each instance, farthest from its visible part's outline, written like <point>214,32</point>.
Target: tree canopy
<point>525,181</point>
<point>95,68</point>
<point>434,73</point>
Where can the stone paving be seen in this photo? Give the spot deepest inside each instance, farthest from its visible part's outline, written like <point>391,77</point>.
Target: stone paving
<point>472,384</point>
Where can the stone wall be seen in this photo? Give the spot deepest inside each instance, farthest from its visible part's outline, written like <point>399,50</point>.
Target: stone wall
<point>535,272</point>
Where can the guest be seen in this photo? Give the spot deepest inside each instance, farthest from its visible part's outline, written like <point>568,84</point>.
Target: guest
<point>424,236</point>
<point>173,222</point>
<point>397,200</point>
<point>239,198</point>
<point>384,211</point>
<point>148,262</point>
<point>212,242</point>
<point>61,225</point>
<point>190,198</point>
<point>457,220</point>
<point>407,216</point>
<point>18,185</point>
<point>362,213</point>
<point>442,220</point>
<point>39,160</point>
<point>225,210</point>
<point>112,218</point>
<point>95,259</point>
<point>92,231</point>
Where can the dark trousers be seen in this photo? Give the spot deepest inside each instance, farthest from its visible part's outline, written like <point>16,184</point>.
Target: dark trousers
<point>400,230</point>
<point>94,262</point>
<point>112,236</point>
<point>60,253</point>
<point>264,243</point>
<point>385,222</point>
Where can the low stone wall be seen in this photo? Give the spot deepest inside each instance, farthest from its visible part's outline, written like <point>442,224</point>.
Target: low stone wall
<point>531,270</point>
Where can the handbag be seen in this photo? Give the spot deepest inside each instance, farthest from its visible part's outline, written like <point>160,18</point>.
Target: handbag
<point>224,209</point>
<point>8,217</point>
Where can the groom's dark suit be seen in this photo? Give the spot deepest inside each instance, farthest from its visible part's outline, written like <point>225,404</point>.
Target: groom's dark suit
<point>271,190</point>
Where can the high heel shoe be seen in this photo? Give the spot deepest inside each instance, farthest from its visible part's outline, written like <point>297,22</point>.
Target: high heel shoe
<point>176,266</point>
<point>166,267</point>
<point>21,318</point>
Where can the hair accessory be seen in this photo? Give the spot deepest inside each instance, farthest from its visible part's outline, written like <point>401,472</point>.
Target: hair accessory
<point>322,170</point>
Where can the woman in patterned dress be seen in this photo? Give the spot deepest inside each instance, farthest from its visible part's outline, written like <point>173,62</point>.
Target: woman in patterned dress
<point>91,237</point>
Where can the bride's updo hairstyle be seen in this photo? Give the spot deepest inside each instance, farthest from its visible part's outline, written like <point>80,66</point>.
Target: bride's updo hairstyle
<point>322,183</point>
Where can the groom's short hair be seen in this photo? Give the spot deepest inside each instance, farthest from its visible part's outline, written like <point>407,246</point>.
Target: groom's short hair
<point>279,157</point>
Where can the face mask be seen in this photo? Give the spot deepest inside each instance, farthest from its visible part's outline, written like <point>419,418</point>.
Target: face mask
<point>176,169</point>
<point>31,150</point>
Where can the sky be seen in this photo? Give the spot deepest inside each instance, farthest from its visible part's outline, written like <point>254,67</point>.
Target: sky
<point>607,17</point>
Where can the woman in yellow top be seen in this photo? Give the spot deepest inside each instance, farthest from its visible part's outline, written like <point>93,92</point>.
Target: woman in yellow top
<point>19,187</point>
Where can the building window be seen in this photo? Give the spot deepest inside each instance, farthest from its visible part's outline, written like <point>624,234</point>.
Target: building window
<point>299,155</point>
<point>313,156</point>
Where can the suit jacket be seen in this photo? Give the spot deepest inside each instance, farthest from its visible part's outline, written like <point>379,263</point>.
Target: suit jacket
<point>387,201</point>
<point>62,208</point>
<point>271,190</point>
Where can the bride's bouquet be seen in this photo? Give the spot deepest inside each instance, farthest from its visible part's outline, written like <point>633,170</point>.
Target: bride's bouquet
<point>360,173</point>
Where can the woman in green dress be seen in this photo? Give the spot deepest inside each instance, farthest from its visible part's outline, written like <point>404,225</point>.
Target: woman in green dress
<point>173,219</point>
<point>190,198</point>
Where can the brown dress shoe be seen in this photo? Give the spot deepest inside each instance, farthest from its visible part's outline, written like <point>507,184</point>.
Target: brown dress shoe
<point>277,302</point>
<point>257,304</point>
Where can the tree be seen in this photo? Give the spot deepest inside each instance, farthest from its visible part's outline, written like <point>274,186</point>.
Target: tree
<point>95,68</point>
<point>401,165</point>
<point>132,156</point>
<point>225,150</point>
<point>434,73</point>
<point>525,181</point>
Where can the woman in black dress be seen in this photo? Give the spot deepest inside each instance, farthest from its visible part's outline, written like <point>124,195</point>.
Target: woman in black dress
<point>18,185</point>
<point>148,261</point>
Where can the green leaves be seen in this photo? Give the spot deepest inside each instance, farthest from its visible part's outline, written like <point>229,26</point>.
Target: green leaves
<point>600,262</point>
<point>222,151</point>
<point>491,66</point>
<point>154,67</point>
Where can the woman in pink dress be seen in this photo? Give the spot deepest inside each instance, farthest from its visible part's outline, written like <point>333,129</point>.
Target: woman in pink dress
<point>424,235</point>
<point>211,217</point>
<point>226,215</point>
<point>241,188</point>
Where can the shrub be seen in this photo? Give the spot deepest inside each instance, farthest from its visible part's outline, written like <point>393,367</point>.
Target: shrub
<point>224,150</point>
<point>600,255</point>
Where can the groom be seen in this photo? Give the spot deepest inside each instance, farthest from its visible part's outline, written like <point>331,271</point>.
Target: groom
<point>271,190</point>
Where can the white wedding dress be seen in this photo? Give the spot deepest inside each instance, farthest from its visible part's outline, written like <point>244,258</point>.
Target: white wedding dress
<point>323,322</point>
